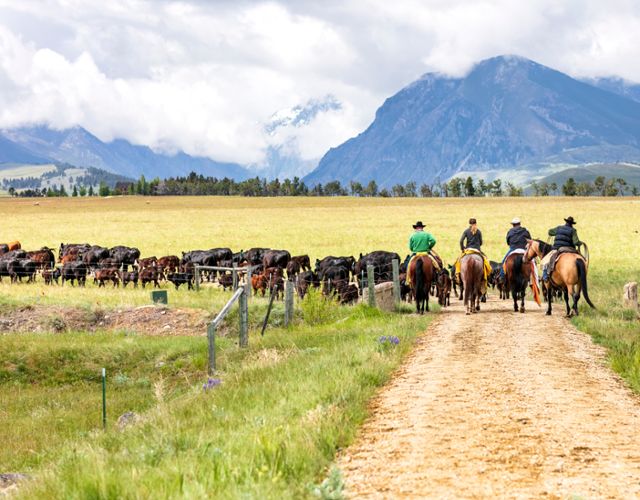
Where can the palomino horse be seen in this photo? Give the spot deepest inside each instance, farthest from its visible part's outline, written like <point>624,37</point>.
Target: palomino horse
<point>569,275</point>
<point>516,279</point>
<point>421,276</point>
<point>472,276</point>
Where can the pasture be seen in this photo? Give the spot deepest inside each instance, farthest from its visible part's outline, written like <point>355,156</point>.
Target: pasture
<point>287,403</point>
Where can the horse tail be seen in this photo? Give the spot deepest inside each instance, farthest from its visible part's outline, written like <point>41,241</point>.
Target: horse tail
<point>582,275</point>
<point>419,276</point>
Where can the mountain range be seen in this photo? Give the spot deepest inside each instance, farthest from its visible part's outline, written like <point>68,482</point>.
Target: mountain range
<point>508,117</point>
<point>508,113</point>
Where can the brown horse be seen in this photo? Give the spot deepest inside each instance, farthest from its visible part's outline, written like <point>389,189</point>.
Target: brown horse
<point>517,275</point>
<point>472,276</point>
<point>421,276</point>
<point>569,275</point>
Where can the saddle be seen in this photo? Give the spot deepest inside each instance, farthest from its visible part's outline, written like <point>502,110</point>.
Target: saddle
<point>556,256</point>
<point>472,251</point>
<point>435,259</point>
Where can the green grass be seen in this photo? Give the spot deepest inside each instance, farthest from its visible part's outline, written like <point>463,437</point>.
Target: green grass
<point>270,430</point>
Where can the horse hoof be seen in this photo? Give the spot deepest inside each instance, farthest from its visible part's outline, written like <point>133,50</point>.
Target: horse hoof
<point>548,313</point>
<point>522,310</point>
<point>468,313</point>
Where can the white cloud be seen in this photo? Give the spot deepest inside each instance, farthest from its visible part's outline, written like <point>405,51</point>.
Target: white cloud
<point>203,77</point>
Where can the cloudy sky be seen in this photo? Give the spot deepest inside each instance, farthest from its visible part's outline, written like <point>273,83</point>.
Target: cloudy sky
<point>205,76</point>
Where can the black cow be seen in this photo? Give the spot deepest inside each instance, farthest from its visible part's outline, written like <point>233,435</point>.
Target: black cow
<point>382,266</point>
<point>75,248</point>
<point>94,255</point>
<point>180,279</point>
<point>305,280</point>
<point>124,256</point>
<point>13,254</point>
<point>254,255</point>
<point>276,258</point>
<point>332,275</point>
<point>129,277</point>
<point>22,268</point>
<point>72,271</point>
<point>322,265</point>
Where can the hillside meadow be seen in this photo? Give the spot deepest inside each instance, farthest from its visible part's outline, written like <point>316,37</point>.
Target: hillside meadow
<point>286,404</point>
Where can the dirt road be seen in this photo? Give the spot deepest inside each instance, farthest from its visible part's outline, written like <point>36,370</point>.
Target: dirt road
<point>499,404</point>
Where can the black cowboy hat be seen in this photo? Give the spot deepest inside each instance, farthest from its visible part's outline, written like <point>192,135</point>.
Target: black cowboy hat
<point>472,221</point>
<point>569,220</point>
<point>418,224</point>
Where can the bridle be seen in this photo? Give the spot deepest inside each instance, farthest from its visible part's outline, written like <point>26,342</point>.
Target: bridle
<point>528,249</point>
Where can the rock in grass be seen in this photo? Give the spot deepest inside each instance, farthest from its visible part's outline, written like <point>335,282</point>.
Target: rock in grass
<point>9,480</point>
<point>127,419</point>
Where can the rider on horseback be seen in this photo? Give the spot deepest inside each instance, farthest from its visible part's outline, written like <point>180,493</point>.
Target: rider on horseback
<point>516,239</point>
<point>422,242</point>
<point>472,236</point>
<point>565,240</point>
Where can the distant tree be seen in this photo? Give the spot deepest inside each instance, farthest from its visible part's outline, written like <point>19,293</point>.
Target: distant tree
<point>384,193</point>
<point>91,192</point>
<point>513,190</point>
<point>397,190</point>
<point>356,188</point>
<point>553,187</point>
<point>410,189</point>
<point>469,188</point>
<point>455,187</point>
<point>635,191</point>
<point>371,189</point>
<point>334,188</point>
<point>482,187</point>
<point>610,188</point>
<point>83,191</point>
<point>74,193</point>
<point>495,188</point>
<point>12,191</point>
<point>569,187</point>
<point>536,188</point>
<point>585,189</point>
<point>103,189</point>
<point>425,191</point>
<point>599,184</point>
<point>622,185</point>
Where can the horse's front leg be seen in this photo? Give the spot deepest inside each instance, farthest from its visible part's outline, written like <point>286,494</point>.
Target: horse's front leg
<point>565,294</point>
<point>523,292</point>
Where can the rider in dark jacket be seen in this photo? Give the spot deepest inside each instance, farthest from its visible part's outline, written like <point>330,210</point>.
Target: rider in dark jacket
<point>472,236</point>
<point>565,236</point>
<point>516,238</point>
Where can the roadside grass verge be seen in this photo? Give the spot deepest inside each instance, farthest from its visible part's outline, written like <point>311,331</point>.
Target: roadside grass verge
<point>271,428</point>
<point>611,325</point>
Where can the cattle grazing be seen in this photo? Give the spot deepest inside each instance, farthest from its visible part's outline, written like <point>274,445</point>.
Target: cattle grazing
<point>94,255</point>
<point>149,275</point>
<point>125,256</point>
<point>293,268</point>
<point>275,281</point>
<point>406,294</point>
<point>74,271</point>
<point>322,265</point>
<point>14,254</point>
<point>332,275</point>
<point>259,282</point>
<point>22,268</point>
<point>51,275</point>
<point>443,284</point>
<point>303,261</point>
<point>168,264</point>
<point>254,255</point>
<point>102,275</point>
<point>226,280</point>
<point>4,248</point>
<point>130,277</point>
<point>72,248</point>
<point>382,266</point>
<point>180,279</point>
<point>347,292</point>
<point>44,258</point>
<point>305,280</point>
<point>276,258</point>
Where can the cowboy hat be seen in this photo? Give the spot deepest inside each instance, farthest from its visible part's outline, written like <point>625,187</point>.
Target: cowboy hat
<point>418,224</point>
<point>569,220</point>
<point>515,221</point>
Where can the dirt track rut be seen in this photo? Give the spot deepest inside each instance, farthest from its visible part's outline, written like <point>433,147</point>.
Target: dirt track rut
<point>499,404</point>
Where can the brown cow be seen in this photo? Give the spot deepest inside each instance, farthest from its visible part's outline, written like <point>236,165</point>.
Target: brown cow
<point>303,261</point>
<point>147,262</point>
<point>50,275</point>
<point>259,282</point>
<point>169,263</point>
<point>44,258</point>
<point>275,279</point>
<point>14,245</point>
<point>149,275</point>
<point>103,275</point>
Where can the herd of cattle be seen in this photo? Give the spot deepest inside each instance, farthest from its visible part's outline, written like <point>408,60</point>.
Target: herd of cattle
<point>266,268</point>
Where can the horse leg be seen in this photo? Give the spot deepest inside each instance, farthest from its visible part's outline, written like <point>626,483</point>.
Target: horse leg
<point>549,299</point>
<point>575,292</point>
<point>522,294</point>
<point>478,298</point>
<point>565,293</point>
<point>514,294</point>
<point>461,291</point>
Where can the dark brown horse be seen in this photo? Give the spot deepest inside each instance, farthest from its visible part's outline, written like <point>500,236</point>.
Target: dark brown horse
<point>472,276</point>
<point>421,276</point>
<point>569,275</point>
<point>517,275</point>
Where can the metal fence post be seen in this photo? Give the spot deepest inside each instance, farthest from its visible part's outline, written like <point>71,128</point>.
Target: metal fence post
<point>395,265</point>
<point>244,320</point>
<point>211,337</point>
<point>288,302</point>
<point>196,269</point>
<point>371,281</point>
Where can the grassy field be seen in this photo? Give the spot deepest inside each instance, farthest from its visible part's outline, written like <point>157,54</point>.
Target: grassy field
<point>294,397</point>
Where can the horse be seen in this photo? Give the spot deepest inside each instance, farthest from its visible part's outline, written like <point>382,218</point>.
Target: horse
<point>421,276</point>
<point>569,275</point>
<point>517,278</point>
<point>471,277</point>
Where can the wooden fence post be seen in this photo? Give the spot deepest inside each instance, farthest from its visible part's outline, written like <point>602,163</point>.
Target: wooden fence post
<point>244,320</point>
<point>371,281</point>
<point>248,283</point>
<point>235,277</point>
<point>196,269</point>
<point>395,265</point>
<point>211,336</point>
<point>288,303</point>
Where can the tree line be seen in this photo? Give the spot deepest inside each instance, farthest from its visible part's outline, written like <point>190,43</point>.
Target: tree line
<point>199,185</point>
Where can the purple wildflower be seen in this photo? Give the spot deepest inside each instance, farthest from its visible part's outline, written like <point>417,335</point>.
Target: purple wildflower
<point>382,339</point>
<point>211,383</point>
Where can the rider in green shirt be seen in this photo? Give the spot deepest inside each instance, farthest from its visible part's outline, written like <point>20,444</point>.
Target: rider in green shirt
<point>421,241</point>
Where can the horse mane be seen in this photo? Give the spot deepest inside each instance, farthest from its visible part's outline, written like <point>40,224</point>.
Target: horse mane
<point>545,248</point>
